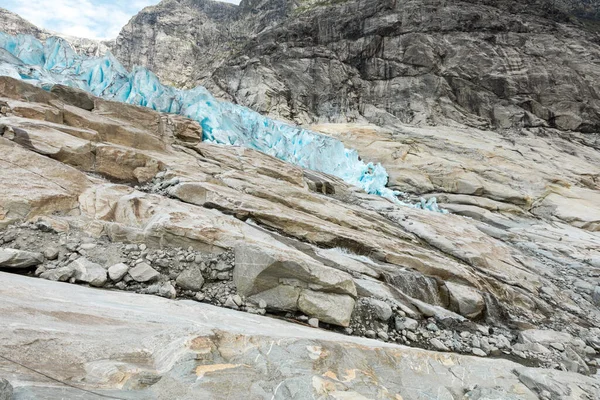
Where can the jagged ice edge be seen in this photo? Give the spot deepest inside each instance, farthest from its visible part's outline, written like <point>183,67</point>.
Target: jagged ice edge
<point>55,62</point>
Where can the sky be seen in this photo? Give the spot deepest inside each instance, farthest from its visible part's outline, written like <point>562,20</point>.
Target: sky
<point>92,19</point>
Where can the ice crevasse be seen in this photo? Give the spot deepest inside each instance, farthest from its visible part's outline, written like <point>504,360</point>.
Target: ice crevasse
<point>55,62</point>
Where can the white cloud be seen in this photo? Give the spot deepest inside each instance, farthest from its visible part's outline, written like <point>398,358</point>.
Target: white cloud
<point>99,19</point>
<point>95,20</point>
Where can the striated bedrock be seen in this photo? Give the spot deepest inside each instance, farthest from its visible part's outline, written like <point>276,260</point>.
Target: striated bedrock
<point>138,347</point>
<point>494,64</point>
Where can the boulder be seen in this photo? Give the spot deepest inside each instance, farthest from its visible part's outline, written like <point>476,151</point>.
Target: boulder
<point>332,308</point>
<point>382,311</point>
<point>19,259</point>
<point>406,323</point>
<point>259,269</point>
<point>118,272</point>
<point>61,274</point>
<point>467,301</point>
<point>191,279</point>
<point>544,337</point>
<point>279,298</point>
<point>165,289</point>
<point>51,253</point>
<point>438,345</point>
<point>143,273</point>
<point>89,272</point>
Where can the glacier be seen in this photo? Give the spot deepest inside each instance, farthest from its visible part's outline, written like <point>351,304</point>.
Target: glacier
<point>55,62</point>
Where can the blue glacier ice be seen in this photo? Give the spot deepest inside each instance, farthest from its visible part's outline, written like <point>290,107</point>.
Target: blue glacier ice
<point>55,62</point>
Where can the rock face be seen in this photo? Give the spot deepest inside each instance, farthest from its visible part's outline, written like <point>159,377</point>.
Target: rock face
<point>494,64</point>
<point>6,390</point>
<point>89,272</point>
<point>17,259</point>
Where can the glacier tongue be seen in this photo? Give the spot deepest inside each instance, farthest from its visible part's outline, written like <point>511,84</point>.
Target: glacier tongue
<point>55,62</point>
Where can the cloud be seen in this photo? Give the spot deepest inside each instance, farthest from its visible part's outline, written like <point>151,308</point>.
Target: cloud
<point>101,19</point>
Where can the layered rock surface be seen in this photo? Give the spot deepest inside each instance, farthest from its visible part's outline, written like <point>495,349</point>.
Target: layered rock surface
<point>134,347</point>
<point>307,245</point>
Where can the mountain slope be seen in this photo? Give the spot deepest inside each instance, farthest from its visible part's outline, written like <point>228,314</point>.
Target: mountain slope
<point>493,64</point>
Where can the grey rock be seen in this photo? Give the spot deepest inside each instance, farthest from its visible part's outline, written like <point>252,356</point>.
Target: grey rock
<point>544,337</point>
<point>238,300</point>
<point>559,385</point>
<point>144,273</point>
<point>574,361</point>
<point>223,276</point>
<point>280,298</point>
<point>479,352</point>
<point>6,390</point>
<point>223,266</point>
<point>51,253</point>
<point>406,323</point>
<point>163,289</point>
<point>438,345</point>
<point>467,301</point>
<point>89,272</point>
<point>19,259</point>
<point>230,303</point>
<point>531,347</point>
<point>118,272</point>
<point>589,351</point>
<point>332,308</point>
<point>502,342</point>
<point>382,310</point>
<point>314,322</point>
<point>486,393</point>
<point>87,246</point>
<point>558,346</point>
<point>411,336</point>
<point>191,279</point>
<point>200,297</point>
<point>383,335</point>
<point>61,274</point>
